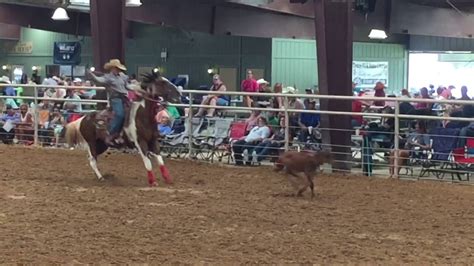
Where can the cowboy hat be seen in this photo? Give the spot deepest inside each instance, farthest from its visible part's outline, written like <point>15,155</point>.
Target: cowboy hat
<point>114,63</point>
<point>289,90</point>
<point>262,81</point>
<point>5,79</point>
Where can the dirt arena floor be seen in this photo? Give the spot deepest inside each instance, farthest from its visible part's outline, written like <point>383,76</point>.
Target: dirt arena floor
<point>52,210</point>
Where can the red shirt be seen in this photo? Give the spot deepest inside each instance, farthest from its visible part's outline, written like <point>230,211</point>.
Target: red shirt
<point>357,108</point>
<point>249,85</point>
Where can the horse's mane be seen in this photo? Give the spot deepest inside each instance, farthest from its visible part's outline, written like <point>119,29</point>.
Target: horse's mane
<point>149,78</point>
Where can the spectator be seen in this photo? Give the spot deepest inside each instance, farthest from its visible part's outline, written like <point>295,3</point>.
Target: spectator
<point>424,95</point>
<point>252,121</point>
<point>248,143</point>
<point>405,94</point>
<point>293,103</point>
<point>379,92</point>
<point>214,99</point>
<point>277,101</point>
<point>272,144</point>
<point>163,119</point>
<point>307,100</point>
<point>25,126</point>
<point>464,93</point>
<point>8,121</point>
<point>308,122</point>
<point>249,85</point>
<point>263,88</point>
<point>73,106</point>
<point>54,126</point>
<point>416,142</point>
<point>357,120</point>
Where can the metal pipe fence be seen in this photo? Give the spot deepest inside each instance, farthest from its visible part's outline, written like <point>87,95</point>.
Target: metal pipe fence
<point>374,150</point>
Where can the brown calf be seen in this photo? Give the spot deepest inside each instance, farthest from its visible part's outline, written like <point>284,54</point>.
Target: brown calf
<point>307,162</point>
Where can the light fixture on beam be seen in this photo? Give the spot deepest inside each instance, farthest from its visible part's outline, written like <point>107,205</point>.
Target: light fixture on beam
<point>133,3</point>
<point>92,69</point>
<point>156,70</point>
<point>377,34</point>
<point>60,14</point>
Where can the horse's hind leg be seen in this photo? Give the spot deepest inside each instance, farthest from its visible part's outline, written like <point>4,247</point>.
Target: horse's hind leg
<point>92,150</point>
<point>309,177</point>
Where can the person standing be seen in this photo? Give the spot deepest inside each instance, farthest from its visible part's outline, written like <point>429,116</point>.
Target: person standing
<point>249,85</point>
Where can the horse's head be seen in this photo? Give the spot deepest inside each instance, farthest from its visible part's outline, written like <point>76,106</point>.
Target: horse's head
<point>158,86</point>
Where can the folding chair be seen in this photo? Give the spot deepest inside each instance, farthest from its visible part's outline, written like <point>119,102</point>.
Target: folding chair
<point>444,142</point>
<point>463,159</point>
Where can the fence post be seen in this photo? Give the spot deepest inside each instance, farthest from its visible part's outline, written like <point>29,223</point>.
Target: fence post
<point>190,126</point>
<point>287,124</point>
<point>36,116</point>
<point>397,139</point>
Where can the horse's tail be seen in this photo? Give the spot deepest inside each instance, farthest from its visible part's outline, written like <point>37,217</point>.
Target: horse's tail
<point>73,134</point>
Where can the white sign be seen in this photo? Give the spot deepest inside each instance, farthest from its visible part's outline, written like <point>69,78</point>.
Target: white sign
<point>366,73</point>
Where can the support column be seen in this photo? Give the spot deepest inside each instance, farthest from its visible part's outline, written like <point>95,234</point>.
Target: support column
<point>108,34</point>
<point>333,24</point>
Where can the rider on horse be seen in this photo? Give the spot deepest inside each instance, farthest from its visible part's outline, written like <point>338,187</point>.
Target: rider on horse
<point>117,86</point>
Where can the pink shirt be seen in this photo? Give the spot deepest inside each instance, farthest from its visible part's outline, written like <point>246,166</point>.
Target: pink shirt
<point>249,85</point>
<point>162,117</point>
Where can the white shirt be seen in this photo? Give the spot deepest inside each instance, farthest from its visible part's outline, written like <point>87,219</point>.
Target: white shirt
<point>258,133</point>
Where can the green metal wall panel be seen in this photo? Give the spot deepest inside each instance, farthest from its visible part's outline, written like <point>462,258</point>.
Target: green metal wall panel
<point>188,52</point>
<point>294,62</point>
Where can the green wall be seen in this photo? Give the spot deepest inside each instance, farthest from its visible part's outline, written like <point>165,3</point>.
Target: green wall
<point>42,53</point>
<point>188,52</point>
<point>193,53</point>
<point>294,62</point>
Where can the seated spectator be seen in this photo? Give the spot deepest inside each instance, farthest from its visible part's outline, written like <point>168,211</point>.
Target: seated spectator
<point>214,99</point>
<point>252,121</point>
<point>255,136</point>
<point>405,94</point>
<point>271,145</point>
<point>8,121</point>
<point>424,95</point>
<point>53,127</point>
<point>307,122</point>
<point>163,119</point>
<point>249,85</point>
<point>357,120</point>
<point>277,101</point>
<point>25,129</point>
<point>75,107</point>
<point>307,100</point>
<point>464,94</point>
<point>379,92</point>
<point>415,144</point>
<point>293,103</point>
<point>263,88</point>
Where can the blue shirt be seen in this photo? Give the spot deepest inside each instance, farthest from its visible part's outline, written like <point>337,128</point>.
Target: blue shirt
<point>15,118</point>
<point>10,91</point>
<point>309,120</point>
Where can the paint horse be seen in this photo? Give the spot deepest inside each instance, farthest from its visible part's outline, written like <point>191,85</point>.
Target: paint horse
<point>140,128</point>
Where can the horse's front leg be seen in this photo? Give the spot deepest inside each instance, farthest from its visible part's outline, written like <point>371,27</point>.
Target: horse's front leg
<point>92,149</point>
<point>143,150</point>
<point>155,153</point>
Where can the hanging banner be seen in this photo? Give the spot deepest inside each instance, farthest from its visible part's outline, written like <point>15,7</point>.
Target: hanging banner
<point>366,74</point>
<point>67,53</point>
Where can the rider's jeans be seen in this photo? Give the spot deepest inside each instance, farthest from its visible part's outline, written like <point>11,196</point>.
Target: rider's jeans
<point>119,115</point>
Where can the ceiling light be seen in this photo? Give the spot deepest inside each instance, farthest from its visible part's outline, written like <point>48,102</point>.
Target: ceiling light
<point>4,67</point>
<point>34,68</point>
<point>60,14</point>
<point>378,34</point>
<point>133,3</point>
<point>92,69</point>
<point>156,70</point>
